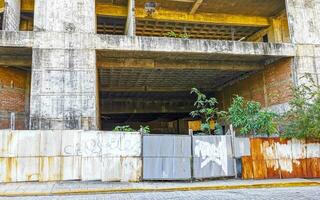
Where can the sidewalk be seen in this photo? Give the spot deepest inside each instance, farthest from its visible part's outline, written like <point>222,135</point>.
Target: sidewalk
<point>74,187</point>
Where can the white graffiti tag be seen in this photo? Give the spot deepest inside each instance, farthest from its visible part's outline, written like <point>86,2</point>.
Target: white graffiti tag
<point>208,152</point>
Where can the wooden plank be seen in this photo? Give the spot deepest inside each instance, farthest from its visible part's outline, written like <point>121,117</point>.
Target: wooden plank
<point>195,6</point>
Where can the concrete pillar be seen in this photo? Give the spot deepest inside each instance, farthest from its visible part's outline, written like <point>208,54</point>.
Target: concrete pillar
<point>131,19</point>
<point>11,16</point>
<point>304,25</point>
<point>64,91</point>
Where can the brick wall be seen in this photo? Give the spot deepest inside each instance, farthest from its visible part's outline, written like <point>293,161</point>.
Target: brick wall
<point>14,95</point>
<point>272,86</point>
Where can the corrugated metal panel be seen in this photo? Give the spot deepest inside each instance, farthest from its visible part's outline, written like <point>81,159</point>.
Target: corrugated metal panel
<point>8,170</point>
<point>50,169</point>
<point>259,169</point>
<point>313,168</point>
<point>91,168</point>
<point>247,167</point>
<point>166,157</point>
<point>50,143</point>
<point>71,143</point>
<point>28,143</point>
<point>71,168</point>
<point>28,169</point>
<point>241,147</point>
<point>212,157</point>
<point>111,169</point>
<point>131,169</point>
<point>166,168</point>
<point>8,142</point>
<point>91,144</point>
<point>273,169</point>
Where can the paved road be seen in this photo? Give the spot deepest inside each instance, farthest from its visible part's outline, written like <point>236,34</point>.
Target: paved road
<point>295,193</point>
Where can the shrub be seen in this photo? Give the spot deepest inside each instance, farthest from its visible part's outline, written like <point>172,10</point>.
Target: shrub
<point>303,118</point>
<point>249,117</point>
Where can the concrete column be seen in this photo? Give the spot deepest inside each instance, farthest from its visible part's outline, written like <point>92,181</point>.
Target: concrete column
<point>11,16</point>
<point>64,91</point>
<point>131,19</point>
<point>304,25</point>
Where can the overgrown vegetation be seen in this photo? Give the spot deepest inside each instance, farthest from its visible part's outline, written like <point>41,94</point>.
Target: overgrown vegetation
<point>303,118</point>
<point>177,35</point>
<point>127,128</point>
<point>249,118</point>
<point>205,109</point>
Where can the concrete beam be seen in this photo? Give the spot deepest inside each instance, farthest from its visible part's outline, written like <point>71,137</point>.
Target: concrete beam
<point>182,17</point>
<point>130,29</point>
<point>15,61</point>
<point>145,106</point>
<point>192,47</point>
<point>151,89</point>
<point>153,45</point>
<point>178,64</point>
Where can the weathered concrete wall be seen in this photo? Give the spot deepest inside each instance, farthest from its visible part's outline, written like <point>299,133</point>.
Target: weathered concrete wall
<point>64,76</point>
<point>270,87</point>
<point>14,97</point>
<point>11,17</point>
<point>304,24</point>
<point>69,155</point>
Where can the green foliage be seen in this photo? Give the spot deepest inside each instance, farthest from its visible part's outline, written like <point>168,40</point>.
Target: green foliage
<point>145,129</point>
<point>205,109</point>
<point>303,118</point>
<point>176,35</point>
<point>126,128</point>
<point>249,118</point>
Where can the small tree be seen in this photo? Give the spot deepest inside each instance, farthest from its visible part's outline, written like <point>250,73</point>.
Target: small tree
<point>249,117</point>
<point>205,109</point>
<point>303,118</point>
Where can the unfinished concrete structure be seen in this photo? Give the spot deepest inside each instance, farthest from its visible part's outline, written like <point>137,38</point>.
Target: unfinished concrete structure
<point>86,64</point>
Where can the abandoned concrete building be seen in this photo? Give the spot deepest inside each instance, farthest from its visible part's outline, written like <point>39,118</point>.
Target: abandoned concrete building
<point>95,64</point>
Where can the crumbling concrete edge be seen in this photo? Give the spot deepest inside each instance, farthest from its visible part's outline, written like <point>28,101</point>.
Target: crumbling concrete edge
<point>167,189</point>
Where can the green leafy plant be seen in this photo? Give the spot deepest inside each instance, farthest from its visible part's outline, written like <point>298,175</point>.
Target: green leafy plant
<point>145,129</point>
<point>249,117</point>
<point>176,35</point>
<point>125,128</point>
<point>205,109</point>
<point>303,118</point>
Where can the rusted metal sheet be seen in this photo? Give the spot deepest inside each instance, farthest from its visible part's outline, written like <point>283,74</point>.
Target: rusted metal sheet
<point>283,158</point>
<point>313,168</point>
<point>273,169</point>
<point>247,168</point>
<point>259,169</point>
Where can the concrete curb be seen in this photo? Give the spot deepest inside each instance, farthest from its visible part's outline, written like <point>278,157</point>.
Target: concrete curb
<point>169,189</point>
